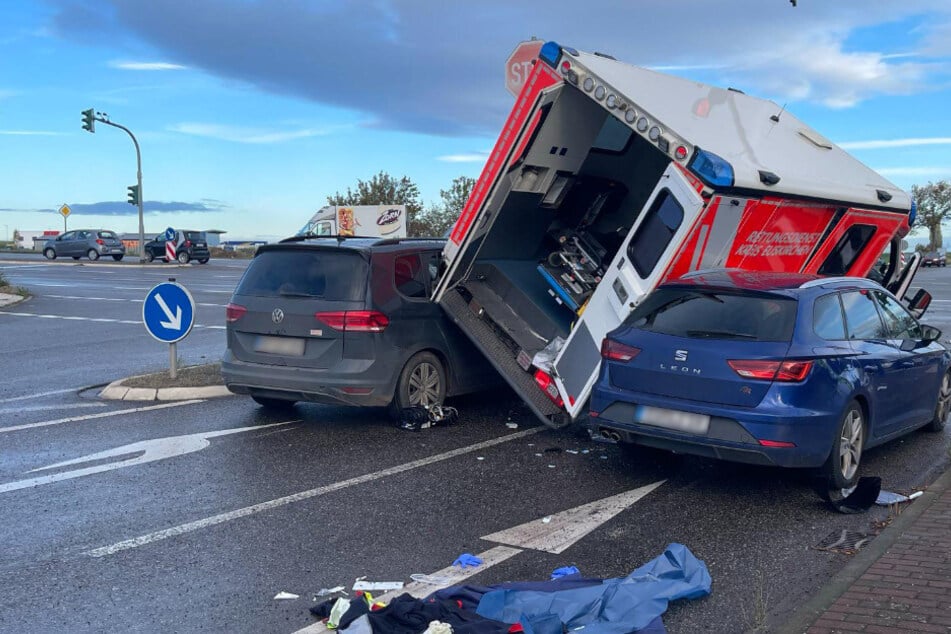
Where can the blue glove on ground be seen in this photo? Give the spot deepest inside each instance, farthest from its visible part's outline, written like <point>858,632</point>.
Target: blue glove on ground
<point>467,559</point>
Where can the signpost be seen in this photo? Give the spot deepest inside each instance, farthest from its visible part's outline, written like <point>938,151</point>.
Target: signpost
<point>170,244</point>
<point>519,65</point>
<point>65,211</point>
<point>168,313</point>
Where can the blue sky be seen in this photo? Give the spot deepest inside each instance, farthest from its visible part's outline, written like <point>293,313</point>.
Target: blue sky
<point>251,112</point>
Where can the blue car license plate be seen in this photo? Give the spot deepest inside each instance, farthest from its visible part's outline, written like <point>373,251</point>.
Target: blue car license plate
<point>672,419</point>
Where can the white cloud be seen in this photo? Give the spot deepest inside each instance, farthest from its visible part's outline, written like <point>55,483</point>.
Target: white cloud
<point>924,170</point>
<point>240,134</point>
<point>29,133</point>
<point>472,157</point>
<point>146,65</point>
<point>893,143</point>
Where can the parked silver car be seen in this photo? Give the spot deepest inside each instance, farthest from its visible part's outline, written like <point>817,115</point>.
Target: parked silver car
<point>90,243</point>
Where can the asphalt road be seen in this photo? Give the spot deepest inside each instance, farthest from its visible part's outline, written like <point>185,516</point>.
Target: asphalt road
<point>161,524</point>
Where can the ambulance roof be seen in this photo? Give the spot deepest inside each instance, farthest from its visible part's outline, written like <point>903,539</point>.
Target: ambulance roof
<point>739,129</point>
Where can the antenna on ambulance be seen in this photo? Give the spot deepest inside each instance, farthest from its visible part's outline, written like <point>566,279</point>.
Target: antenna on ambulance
<point>776,116</point>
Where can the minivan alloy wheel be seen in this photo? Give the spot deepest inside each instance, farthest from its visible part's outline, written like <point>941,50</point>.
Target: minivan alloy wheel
<point>424,385</point>
<point>850,444</point>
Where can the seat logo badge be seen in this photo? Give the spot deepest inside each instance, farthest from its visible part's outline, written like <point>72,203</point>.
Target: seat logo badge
<point>277,316</point>
<point>680,355</point>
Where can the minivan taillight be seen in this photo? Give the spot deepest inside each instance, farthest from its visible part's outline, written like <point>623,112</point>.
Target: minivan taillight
<point>786,371</point>
<point>234,312</point>
<point>355,320</point>
<point>616,351</point>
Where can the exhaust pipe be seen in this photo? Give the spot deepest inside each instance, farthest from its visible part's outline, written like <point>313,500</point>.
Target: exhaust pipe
<point>608,434</point>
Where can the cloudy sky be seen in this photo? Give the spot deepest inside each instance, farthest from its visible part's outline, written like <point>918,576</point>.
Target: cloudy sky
<point>251,112</point>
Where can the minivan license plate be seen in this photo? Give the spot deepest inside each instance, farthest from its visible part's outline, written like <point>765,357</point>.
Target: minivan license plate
<point>672,419</point>
<point>290,346</point>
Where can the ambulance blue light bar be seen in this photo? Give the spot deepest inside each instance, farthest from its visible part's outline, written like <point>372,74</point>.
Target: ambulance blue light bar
<point>712,169</point>
<point>550,53</point>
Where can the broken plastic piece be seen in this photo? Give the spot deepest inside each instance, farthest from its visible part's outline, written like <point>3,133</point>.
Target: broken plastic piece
<point>512,425</point>
<point>378,585</point>
<point>564,571</point>
<point>467,559</point>
<point>545,520</point>
<point>286,595</point>
<point>545,357</point>
<point>433,580</point>
<point>916,494</point>
<point>887,497</point>
<point>336,613</point>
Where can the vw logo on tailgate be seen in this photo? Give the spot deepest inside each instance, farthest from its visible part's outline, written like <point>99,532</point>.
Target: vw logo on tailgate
<point>277,316</point>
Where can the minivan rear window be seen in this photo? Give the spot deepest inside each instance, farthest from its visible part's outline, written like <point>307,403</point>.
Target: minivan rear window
<point>713,314</point>
<point>335,275</point>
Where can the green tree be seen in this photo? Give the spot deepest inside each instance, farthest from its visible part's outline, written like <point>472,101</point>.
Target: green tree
<point>384,189</point>
<point>934,207</point>
<point>438,218</point>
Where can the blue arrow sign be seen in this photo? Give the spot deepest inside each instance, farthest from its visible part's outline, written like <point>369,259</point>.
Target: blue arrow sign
<point>168,312</point>
<point>169,234</point>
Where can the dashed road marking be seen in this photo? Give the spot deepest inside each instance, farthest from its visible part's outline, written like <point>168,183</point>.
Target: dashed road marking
<point>103,320</point>
<point>76,419</point>
<point>27,397</point>
<point>46,408</point>
<point>119,299</point>
<point>221,518</point>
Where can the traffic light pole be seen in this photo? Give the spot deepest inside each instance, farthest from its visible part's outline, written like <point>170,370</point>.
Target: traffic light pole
<point>138,161</point>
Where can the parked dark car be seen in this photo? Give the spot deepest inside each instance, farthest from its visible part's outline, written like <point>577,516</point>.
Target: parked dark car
<point>934,259</point>
<point>773,369</point>
<point>90,243</point>
<point>192,245</point>
<point>346,321</point>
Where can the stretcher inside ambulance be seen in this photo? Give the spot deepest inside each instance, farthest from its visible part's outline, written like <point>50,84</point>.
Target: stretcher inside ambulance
<point>608,179</point>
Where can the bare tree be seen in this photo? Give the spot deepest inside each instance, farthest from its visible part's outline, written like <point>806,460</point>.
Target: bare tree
<point>934,207</point>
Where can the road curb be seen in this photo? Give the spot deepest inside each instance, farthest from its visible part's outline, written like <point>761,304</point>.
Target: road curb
<point>116,391</point>
<point>822,600</point>
<point>9,299</point>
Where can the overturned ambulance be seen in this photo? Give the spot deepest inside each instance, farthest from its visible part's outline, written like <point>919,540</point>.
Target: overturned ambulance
<point>609,179</point>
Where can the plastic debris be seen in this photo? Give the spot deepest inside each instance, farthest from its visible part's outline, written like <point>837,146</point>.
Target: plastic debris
<point>418,417</point>
<point>551,466</point>
<point>546,520</point>
<point>323,592</point>
<point>886,498</point>
<point>564,571</point>
<point>433,580</point>
<point>336,613</point>
<point>286,595</point>
<point>916,494</point>
<point>585,451</point>
<point>467,559</point>
<point>480,457</point>
<point>573,452</point>
<point>377,585</point>
<point>858,499</point>
<point>512,425</point>
<point>539,455</point>
<point>438,627</point>
<point>545,357</point>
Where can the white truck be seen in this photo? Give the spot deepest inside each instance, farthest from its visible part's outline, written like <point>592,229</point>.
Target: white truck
<point>385,221</point>
<point>608,179</point>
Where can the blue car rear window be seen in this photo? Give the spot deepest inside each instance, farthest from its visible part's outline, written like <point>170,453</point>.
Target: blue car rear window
<point>712,314</point>
<point>332,274</point>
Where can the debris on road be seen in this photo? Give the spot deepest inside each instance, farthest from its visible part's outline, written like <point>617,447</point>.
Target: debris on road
<point>564,571</point>
<point>324,592</point>
<point>385,586</point>
<point>433,580</point>
<point>887,498</point>
<point>419,417</point>
<point>858,499</point>
<point>280,596</point>
<point>467,559</point>
<point>619,605</point>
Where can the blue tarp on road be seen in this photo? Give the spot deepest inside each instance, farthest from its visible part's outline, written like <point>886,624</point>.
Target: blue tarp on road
<point>616,606</point>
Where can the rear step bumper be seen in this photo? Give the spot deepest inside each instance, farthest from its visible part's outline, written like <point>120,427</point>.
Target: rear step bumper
<point>502,359</point>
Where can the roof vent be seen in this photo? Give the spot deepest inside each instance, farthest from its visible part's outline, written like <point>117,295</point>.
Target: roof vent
<point>815,138</point>
<point>768,178</point>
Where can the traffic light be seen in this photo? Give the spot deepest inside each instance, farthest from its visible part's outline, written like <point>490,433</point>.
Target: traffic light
<point>89,120</point>
<point>133,194</point>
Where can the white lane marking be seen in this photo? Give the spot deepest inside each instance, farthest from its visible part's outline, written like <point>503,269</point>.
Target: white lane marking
<point>452,576</point>
<point>119,299</point>
<point>148,450</point>
<point>220,518</point>
<point>42,408</point>
<point>75,419</point>
<point>103,320</point>
<point>27,397</point>
<point>563,529</point>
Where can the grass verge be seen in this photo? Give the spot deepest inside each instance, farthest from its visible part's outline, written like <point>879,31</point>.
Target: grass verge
<point>189,376</point>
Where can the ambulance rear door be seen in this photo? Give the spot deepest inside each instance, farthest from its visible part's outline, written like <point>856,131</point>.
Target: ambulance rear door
<point>668,218</point>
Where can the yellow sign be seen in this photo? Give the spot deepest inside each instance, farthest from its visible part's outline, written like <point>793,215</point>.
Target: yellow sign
<point>65,210</point>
